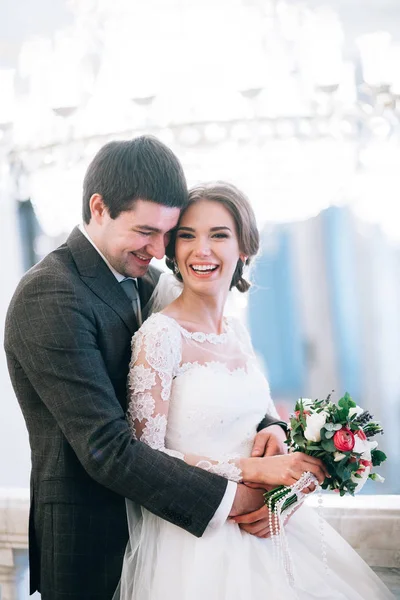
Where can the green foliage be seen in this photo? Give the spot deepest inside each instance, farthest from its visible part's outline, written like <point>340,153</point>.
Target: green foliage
<point>332,426</point>
<point>347,401</point>
<point>299,441</point>
<point>344,469</point>
<point>354,426</point>
<point>377,457</point>
<point>328,445</point>
<point>344,405</point>
<point>353,466</point>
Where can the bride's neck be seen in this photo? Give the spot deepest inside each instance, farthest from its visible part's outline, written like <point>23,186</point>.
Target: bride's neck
<point>202,313</point>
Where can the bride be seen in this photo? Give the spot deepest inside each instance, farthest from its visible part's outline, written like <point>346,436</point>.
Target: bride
<point>197,393</point>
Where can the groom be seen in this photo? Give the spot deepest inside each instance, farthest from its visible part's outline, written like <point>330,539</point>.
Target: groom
<point>68,333</point>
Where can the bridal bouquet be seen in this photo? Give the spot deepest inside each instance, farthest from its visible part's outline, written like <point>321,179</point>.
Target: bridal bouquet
<point>340,435</point>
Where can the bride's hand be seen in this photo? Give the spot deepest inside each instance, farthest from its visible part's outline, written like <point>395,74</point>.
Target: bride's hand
<point>281,470</point>
<point>269,442</point>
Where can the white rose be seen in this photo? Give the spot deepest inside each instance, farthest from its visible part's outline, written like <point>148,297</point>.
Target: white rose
<point>338,456</point>
<point>314,424</point>
<point>364,447</point>
<point>355,410</point>
<point>361,446</point>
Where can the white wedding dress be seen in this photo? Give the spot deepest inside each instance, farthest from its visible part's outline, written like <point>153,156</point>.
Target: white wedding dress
<point>203,394</point>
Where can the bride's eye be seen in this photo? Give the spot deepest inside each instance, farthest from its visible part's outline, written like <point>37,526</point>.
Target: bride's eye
<point>185,236</point>
<point>220,236</point>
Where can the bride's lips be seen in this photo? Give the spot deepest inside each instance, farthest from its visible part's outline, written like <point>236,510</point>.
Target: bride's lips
<point>141,259</point>
<point>203,271</point>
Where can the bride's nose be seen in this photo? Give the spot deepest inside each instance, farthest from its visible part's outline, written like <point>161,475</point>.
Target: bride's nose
<point>203,251</point>
<point>202,248</point>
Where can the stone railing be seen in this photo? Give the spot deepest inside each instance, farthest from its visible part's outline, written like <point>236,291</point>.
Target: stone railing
<point>14,509</point>
<point>371,524</point>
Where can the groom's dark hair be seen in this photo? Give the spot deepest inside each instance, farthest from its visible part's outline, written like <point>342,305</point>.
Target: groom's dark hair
<point>142,168</point>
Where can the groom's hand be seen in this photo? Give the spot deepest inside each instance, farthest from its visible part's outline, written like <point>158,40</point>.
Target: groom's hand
<point>257,523</point>
<point>270,442</point>
<point>247,500</point>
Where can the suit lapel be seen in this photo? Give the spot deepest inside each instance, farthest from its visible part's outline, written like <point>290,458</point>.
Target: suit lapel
<point>97,276</point>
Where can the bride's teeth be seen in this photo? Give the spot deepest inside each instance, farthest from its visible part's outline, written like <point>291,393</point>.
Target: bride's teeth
<point>204,267</point>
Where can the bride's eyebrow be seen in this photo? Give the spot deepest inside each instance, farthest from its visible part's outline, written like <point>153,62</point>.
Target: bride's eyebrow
<point>211,228</point>
<point>185,229</point>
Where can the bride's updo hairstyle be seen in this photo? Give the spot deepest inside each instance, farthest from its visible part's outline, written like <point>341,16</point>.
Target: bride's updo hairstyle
<point>237,204</point>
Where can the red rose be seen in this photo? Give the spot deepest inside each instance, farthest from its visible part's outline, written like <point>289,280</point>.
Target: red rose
<point>344,440</point>
<point>360,434</point>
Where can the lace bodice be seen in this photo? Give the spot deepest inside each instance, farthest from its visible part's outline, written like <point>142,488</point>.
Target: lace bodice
<point>196,396</point>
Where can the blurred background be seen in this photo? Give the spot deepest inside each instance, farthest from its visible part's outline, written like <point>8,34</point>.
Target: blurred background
<point>295,101</point>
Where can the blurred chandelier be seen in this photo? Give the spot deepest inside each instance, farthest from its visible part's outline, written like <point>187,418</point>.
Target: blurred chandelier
<point>265,93</point>
<point>176,69</point>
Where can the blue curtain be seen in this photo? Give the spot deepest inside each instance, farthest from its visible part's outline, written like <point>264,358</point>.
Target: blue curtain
<point>340,251</point>
<point>274,317</point>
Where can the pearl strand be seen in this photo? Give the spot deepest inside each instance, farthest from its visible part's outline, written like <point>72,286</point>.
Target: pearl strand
<point>277,521</point>
<point>322,532</point>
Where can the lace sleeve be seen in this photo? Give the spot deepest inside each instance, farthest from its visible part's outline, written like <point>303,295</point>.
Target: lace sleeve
<point>156,356</point>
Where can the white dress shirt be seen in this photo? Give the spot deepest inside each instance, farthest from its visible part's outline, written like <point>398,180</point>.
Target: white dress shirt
<point>222,512</point>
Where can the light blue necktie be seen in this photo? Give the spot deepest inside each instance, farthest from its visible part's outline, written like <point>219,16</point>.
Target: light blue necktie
<point>130,288</point>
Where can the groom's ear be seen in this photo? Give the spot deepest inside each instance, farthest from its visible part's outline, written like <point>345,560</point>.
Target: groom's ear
<point>97,207</point>
<point>243,258</point>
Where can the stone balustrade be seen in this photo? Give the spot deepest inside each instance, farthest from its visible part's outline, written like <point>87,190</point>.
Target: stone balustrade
<point>14,510</point>
<point>371,524</point>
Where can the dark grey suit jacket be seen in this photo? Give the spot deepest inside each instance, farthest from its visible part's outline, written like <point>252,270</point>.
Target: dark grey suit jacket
<point>68,333</point>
